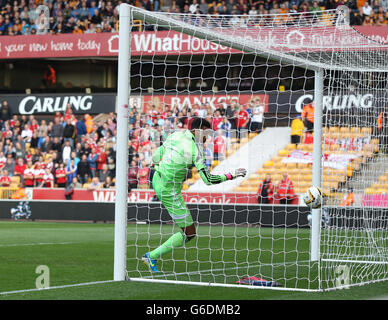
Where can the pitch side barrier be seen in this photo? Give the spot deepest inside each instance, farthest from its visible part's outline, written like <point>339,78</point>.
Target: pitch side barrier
<point>254,215</point>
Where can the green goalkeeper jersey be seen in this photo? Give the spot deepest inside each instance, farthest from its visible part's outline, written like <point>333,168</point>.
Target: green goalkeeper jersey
<point>179,153</point>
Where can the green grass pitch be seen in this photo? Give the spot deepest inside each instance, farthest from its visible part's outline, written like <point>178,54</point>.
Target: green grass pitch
<point>82,253</point>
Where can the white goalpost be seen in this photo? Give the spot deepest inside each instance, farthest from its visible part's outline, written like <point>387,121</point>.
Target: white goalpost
<point>205,64</point>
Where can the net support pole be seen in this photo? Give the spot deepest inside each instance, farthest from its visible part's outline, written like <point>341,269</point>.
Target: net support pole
<point>121,204</point>
<point>317,163</point>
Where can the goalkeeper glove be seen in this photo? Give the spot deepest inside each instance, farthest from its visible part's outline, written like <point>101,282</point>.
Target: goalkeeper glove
<point>240,172</point>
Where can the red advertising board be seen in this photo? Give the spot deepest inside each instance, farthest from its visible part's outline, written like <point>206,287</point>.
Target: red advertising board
<point>214,100</point>
<point>141,196</point>
<point>175,43</point>
<point>375,200</point>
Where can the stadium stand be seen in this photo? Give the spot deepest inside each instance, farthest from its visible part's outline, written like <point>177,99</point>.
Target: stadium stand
<point>92,16</point>
<point>346,150</point>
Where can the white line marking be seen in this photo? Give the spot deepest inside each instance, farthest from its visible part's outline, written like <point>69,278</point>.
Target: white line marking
<point>36,244</point>
<point>58,287</point>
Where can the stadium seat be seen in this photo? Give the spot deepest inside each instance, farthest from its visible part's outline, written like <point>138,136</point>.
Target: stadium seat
<point>268,164</point>
<point>283,152</point>
<point>252,135</point>
<point>291,146</point>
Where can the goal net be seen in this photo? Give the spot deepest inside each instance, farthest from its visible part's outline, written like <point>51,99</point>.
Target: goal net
<point>294,99</point>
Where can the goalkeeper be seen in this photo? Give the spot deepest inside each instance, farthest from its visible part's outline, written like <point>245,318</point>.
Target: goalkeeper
<point>181,151</point>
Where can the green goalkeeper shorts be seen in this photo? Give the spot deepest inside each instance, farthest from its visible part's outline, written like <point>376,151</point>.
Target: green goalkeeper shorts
<point>169,193</point>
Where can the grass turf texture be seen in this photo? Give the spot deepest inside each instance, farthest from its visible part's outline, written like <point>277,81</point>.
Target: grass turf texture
<point>80,253</point>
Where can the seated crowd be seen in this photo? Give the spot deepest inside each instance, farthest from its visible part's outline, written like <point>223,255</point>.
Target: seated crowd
<point>19,17</point>
<point>79,150</point>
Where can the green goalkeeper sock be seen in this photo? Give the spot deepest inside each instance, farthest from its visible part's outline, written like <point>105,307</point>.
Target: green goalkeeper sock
<point>175,241</point>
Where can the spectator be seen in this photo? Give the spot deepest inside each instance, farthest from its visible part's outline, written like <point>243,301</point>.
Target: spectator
<point>55,145</point>
<point>349,199</point>
<point>132,175</point>
<point>285,190</point>
<point>95,184</point>
<point>242,121</point>
<point>83,170</point>
<point>219,146</point>
<point>69,132</point>
<point>366,10</point>
<point>297,128</point>
<point>76,183</point>
<point>19,168</point>
<point>226,127</point>
<point>49,77</point>
<point>266,191</point>
<point>57,128</point>
<point>108,183</point>
<point>71,172</point>
<point>204,7</point>
<point>216,120</point>
<point>34,141</point>
<point>5,112</point>
<point>92,160</point>
<point>101,158</point>
<point>256,124</point>
<point>26,133</point>
<point>48,179</point>
<point>60,176</point>
<point>5,179</point>
<point>308,117</point>
<point>81,129</point>
<point>39,173</point>
<point>66,152</point>
<point>103,173</point>
<point>208,154</point>
<point>143,176</point>
<point>28,175</point>
<point>20,152</point>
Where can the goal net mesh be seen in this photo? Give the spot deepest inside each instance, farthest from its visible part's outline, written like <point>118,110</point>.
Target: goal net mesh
<point>252,77</point>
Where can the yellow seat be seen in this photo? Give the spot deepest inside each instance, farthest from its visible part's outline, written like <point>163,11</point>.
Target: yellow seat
<point>283,152</point>
<point>268,164</point>
<point>291,146</point>
<point>244,140</point>
<point>366,131</point>
<point>252,135</point>
<point>15,179</point>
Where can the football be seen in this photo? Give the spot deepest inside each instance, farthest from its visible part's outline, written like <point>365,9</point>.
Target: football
<point>314,197</point>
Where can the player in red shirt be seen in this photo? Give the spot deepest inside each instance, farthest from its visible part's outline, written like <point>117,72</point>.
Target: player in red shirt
<point>5,180</point>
